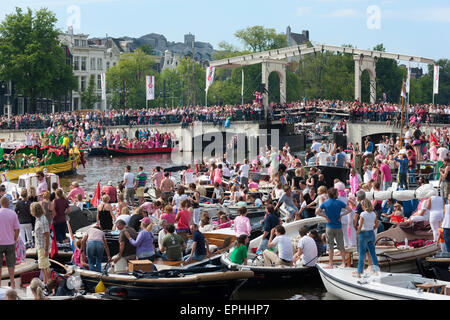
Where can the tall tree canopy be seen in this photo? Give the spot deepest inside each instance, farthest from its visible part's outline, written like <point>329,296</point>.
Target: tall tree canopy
<point>31,55</point>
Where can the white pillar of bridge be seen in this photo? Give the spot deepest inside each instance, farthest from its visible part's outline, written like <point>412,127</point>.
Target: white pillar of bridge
<point>269,66</point>
<point>365,63</point>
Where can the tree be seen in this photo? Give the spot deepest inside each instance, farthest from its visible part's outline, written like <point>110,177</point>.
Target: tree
<point>89,97</point>
<point>31,56</point>
<point>258,38</point>
<point>126,81</point>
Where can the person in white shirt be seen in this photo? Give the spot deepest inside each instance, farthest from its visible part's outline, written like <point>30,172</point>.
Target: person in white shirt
<point>245,168</point>
<point>367,174</point>
<point>322,157</point>
<point>442,153</point>
<point>128,181</point>
<point>285,252</point>
<point>306,249</point>
<point>316,146</point>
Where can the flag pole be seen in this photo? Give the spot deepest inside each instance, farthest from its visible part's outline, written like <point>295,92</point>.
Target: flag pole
<point>401,117</point>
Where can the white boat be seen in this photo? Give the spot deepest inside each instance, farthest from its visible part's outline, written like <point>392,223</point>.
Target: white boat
<point>275,274</point>
<point>385,286</point>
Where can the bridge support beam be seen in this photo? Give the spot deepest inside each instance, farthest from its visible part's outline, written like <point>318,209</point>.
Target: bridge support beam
<point>365,63</point>
<point>269,66</point>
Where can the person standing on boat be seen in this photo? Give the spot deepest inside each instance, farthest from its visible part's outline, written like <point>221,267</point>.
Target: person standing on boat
<point>402,170</point>
<point>167,187</point>
<point>306,249</point>
<point>446,226</point>
<point>242,223</point>
<point>42,235</point>
<point>271,220</point>
<point>75,190</point>
<point>128,181</point>
<point>157,177</point>
<point>368,223</point>
<point>435,205</point>
<point>42,185</point>
<point>9,234</point>
<point>444,179</point>
<point>25,218</point>
<point>141,181</point>
<point>105,216</point>
<point>284,244</point>
<point>60,210</point>
<point>331,210</point>
<point>126,250</point>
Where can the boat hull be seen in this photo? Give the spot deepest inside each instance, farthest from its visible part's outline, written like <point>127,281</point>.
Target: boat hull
<point>137,152</point>
<point>64,168</point>
<point>209,286</point>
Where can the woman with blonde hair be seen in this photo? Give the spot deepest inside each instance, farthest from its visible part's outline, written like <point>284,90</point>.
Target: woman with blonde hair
<point>368,223</point>
<point>42,236</point>
<point>37,289</point>
<point>105,216</point>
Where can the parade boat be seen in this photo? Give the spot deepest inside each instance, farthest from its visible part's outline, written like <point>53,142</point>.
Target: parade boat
<point>437,266</point>
<point>384,286</point>
<point>137,152</point>
<point>208,282</point>
<point>60,161</point>
<point>275,275</point>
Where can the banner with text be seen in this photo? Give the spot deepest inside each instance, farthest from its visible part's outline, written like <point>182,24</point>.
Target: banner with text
<point>150,85</point>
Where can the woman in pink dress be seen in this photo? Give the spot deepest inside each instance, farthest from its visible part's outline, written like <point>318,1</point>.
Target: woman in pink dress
<point>218,174</point>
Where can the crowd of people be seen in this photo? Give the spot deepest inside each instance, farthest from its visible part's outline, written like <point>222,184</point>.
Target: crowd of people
<point>321,108</point>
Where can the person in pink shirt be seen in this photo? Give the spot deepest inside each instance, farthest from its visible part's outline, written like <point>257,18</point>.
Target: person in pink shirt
<point>168,215</point>
<point>157,177</point>
<point>242,223</point>
<point>75,189</point>
<point>9,233</point>
<point>386,175</point>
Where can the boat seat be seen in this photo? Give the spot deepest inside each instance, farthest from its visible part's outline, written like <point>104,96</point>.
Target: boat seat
<point>432,287</point>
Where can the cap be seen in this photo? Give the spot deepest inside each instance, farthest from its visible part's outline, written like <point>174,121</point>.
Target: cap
<point>110,183</point>
<point>145,220</point>
<point>340,186</point>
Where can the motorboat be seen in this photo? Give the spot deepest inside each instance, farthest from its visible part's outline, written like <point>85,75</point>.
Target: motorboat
<point>274,275</point>
<point>382,286</point>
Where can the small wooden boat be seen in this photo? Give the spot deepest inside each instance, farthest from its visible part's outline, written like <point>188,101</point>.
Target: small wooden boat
<point>385,286</point>
<point>26,266</point>
<point>206,282</point>
<point>100,151</point>
<point>275,275</point>
<point>137,152</point>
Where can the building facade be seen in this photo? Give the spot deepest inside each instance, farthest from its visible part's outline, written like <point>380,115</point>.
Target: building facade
<point>90,58</point>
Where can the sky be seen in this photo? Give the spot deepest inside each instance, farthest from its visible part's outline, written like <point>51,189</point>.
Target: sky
<point>413,27</point>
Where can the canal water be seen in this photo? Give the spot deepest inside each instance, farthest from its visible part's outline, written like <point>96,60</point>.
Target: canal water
<point>106,169</point>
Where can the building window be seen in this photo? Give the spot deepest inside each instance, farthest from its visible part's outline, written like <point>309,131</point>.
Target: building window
<point>92,63</point>
<point>76,63</point>
<point>107,65</point>
<point>83,63</point>
<point>83,84</point>
<point>99,64</point>
<point>76,42</point>
<point>99,82</point>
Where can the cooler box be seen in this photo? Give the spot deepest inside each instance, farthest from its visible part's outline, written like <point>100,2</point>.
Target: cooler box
<point>140,265</point>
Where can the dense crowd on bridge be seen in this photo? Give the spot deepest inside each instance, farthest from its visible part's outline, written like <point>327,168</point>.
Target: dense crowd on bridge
<point>298,111</point>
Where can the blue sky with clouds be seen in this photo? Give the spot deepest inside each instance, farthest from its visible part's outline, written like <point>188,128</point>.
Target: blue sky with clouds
<point>413,27</point>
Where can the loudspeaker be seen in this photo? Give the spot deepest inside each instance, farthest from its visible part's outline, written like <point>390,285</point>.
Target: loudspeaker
<point>340,139</point>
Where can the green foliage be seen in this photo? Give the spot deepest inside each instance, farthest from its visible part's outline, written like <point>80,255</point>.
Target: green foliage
<point>31,55</point>
<point>128,77</point>
<point>258,38</point>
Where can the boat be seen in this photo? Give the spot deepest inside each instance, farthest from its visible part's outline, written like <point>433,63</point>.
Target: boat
<point>100,151</point>
<point>208,282</point>
<point>392,253</point>
<point>69,166</point>
<point>385,286</point>
<point>437,266</point>
<point>331,172</point>
<point>137,152</point>
<point>26,266</point>
<point>276,275</point>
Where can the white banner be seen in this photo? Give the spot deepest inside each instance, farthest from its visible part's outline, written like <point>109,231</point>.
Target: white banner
<point>436,80</point>
<point>103,78</point>
<point>408,79</point>
<point>209,77</point>
<point>150,85</point>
